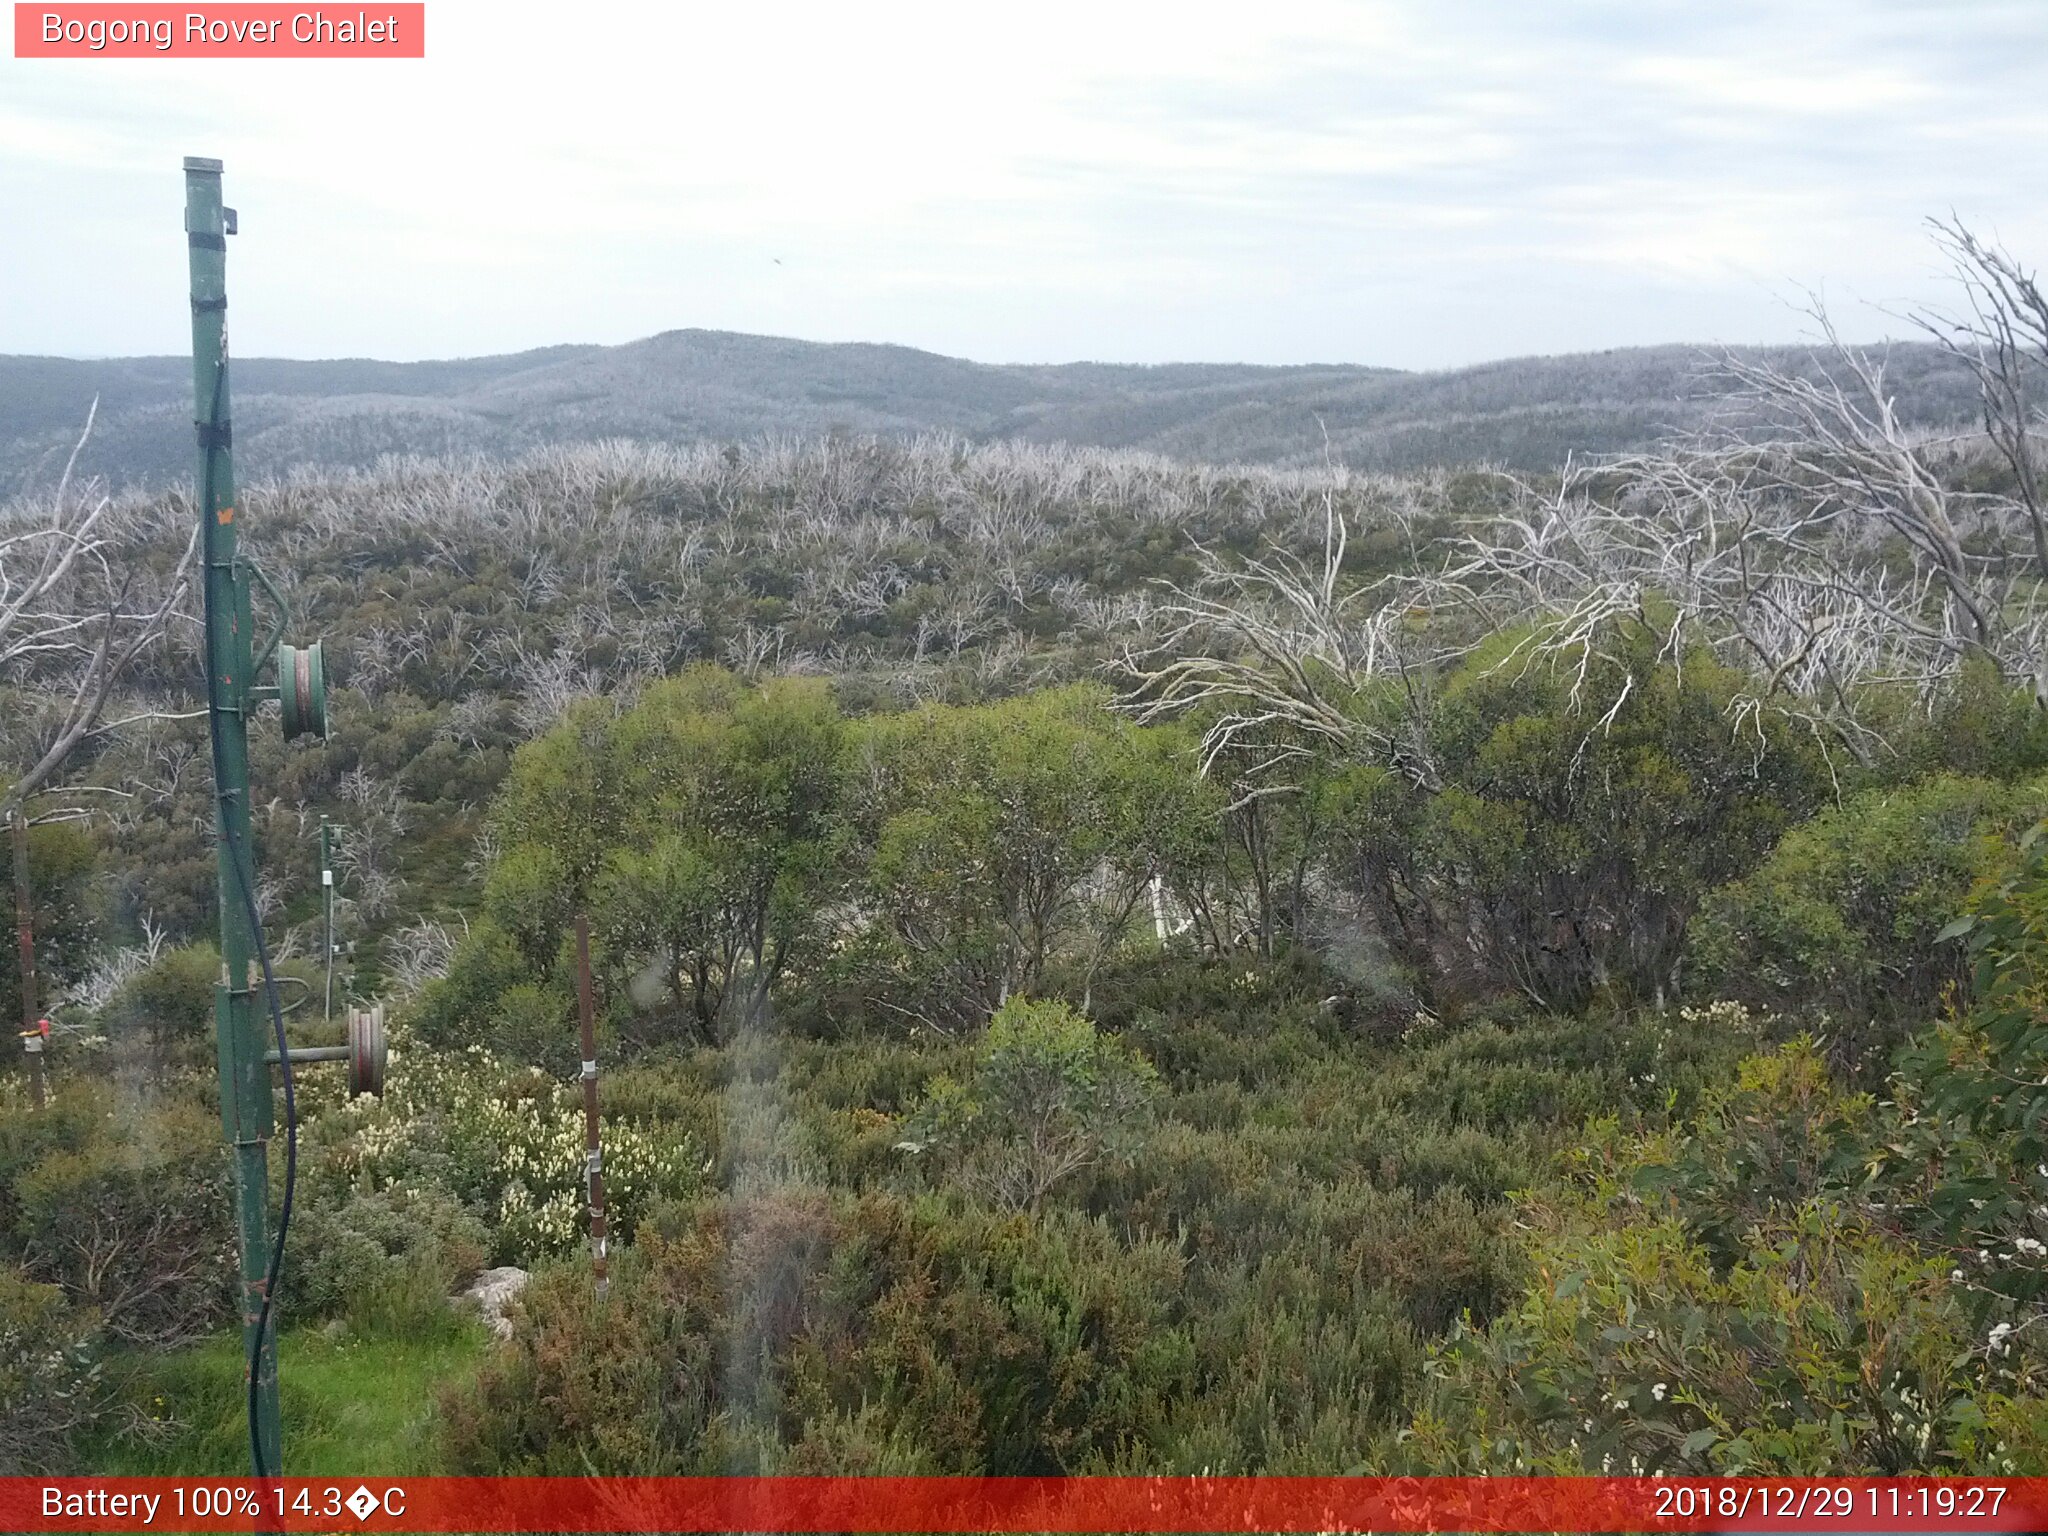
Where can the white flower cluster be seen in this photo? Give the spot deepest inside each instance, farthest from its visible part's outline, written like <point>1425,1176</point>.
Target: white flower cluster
<point>509,1142</point>
<point>1725,1017</point>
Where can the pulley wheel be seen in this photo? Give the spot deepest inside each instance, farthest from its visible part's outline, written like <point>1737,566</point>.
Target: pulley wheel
<point>366,1051</point>
<point>302,689</point>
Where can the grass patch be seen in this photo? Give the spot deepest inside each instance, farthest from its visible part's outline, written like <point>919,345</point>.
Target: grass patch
<point>350,1406</point>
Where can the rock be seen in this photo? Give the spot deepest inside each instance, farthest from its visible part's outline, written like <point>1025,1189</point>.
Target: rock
<point>493,1292</point>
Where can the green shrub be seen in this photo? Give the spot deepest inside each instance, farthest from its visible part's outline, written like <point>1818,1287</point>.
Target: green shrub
<point>461,1008</point>
<point>1570,842</point>
<point>50,1383</point>
<point>1715,1303</point>
<point>132,1221</point>
<point>168,1007</point>
<point>1049,1097</point>
<point>75,1115</point>
<point>1829,1349</point>
<point>791,1328</point>
<point>1980,725</point>
<point>1846,914</point>
<point>1001,839</point>
<point>61,858</point>
<point>386,1260</point>
<point>1967,1151</point>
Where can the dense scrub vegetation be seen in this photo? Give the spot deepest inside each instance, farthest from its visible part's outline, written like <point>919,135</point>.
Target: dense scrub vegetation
<point>1551,1049</point>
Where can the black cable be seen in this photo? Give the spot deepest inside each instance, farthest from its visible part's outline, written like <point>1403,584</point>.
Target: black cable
<point>238,858</point>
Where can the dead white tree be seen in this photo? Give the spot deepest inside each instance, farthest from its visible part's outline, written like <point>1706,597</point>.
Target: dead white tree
<point>2002,337</point>
<point>1282,653</point>
<point>1813,537</point>
<point>77,606</point>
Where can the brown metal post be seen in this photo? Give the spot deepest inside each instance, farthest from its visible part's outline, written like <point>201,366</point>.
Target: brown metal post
<point>24,926</point>
<point>593,1150</point>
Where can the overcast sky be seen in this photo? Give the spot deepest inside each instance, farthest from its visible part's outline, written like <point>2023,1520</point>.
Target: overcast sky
<point>1418,183</point>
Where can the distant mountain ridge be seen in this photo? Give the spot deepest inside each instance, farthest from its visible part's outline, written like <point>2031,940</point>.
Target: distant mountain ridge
<point>1525,413</point>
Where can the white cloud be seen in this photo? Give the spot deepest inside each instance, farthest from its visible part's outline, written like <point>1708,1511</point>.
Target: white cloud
<point>1417,183</point>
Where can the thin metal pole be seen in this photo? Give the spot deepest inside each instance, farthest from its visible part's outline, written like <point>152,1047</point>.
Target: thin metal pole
<point>25,933</point>
<point>593,1150</point>
<point>245,1107</point>
<point>327,901</point>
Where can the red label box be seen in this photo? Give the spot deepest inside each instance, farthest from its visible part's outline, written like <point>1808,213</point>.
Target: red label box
<point>229,31</point>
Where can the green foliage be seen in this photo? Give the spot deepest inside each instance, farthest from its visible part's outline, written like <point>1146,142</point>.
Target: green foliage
<point>1003,837</point>
<point>124,1206</point>
<point>461,1008</point>
<point>386,1259</point>
<point>1831,1349</point>
<point>701,827</point>
<point>1049,1097</point>
<point>729,843</point>
<point>1711,1304</point>
<point>61,859</point>
<point>167,1007</point>
<point>1969,1150</point>
<point>1248,1286</point>
<point>559,816</point>
<point>1980,725</point>
<point>1847,912</point>
<point>1568,849</point>
<point>916,867</point>
<point>506,1142</point>
<point>796,1331</point>
<point>50,1382</point>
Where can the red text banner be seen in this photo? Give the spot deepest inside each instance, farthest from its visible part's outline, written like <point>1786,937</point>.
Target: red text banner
<point>227,31</point>
<point>796,1505</point>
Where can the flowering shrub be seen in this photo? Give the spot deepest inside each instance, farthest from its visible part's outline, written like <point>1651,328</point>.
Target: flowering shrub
<point>1716,1303</point>
<point>508,1141</point>
<point>1830,1348</point>
<point>1768,1292</point>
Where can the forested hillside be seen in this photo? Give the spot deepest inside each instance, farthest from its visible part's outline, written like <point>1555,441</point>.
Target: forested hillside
<point>688,386</point>
<point>1105,964</point>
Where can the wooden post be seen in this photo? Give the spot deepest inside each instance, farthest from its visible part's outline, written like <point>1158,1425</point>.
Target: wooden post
<point>25,932</point>
<point>593,1150</point>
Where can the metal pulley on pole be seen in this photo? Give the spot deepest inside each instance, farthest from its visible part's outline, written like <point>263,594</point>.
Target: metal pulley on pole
<point>302,690</point>
<point>364,1051</point>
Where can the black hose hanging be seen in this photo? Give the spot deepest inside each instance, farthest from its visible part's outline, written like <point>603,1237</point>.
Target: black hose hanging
<point>212,439</point>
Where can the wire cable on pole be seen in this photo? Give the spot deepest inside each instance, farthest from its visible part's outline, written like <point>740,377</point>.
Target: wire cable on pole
<point>212,440</point>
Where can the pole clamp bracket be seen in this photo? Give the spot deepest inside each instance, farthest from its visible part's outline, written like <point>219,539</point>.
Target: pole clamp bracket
<point>208,306</point>
<point>215,436</point>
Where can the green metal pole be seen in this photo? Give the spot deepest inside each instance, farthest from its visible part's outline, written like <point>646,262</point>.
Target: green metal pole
<point>244,1077</point>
